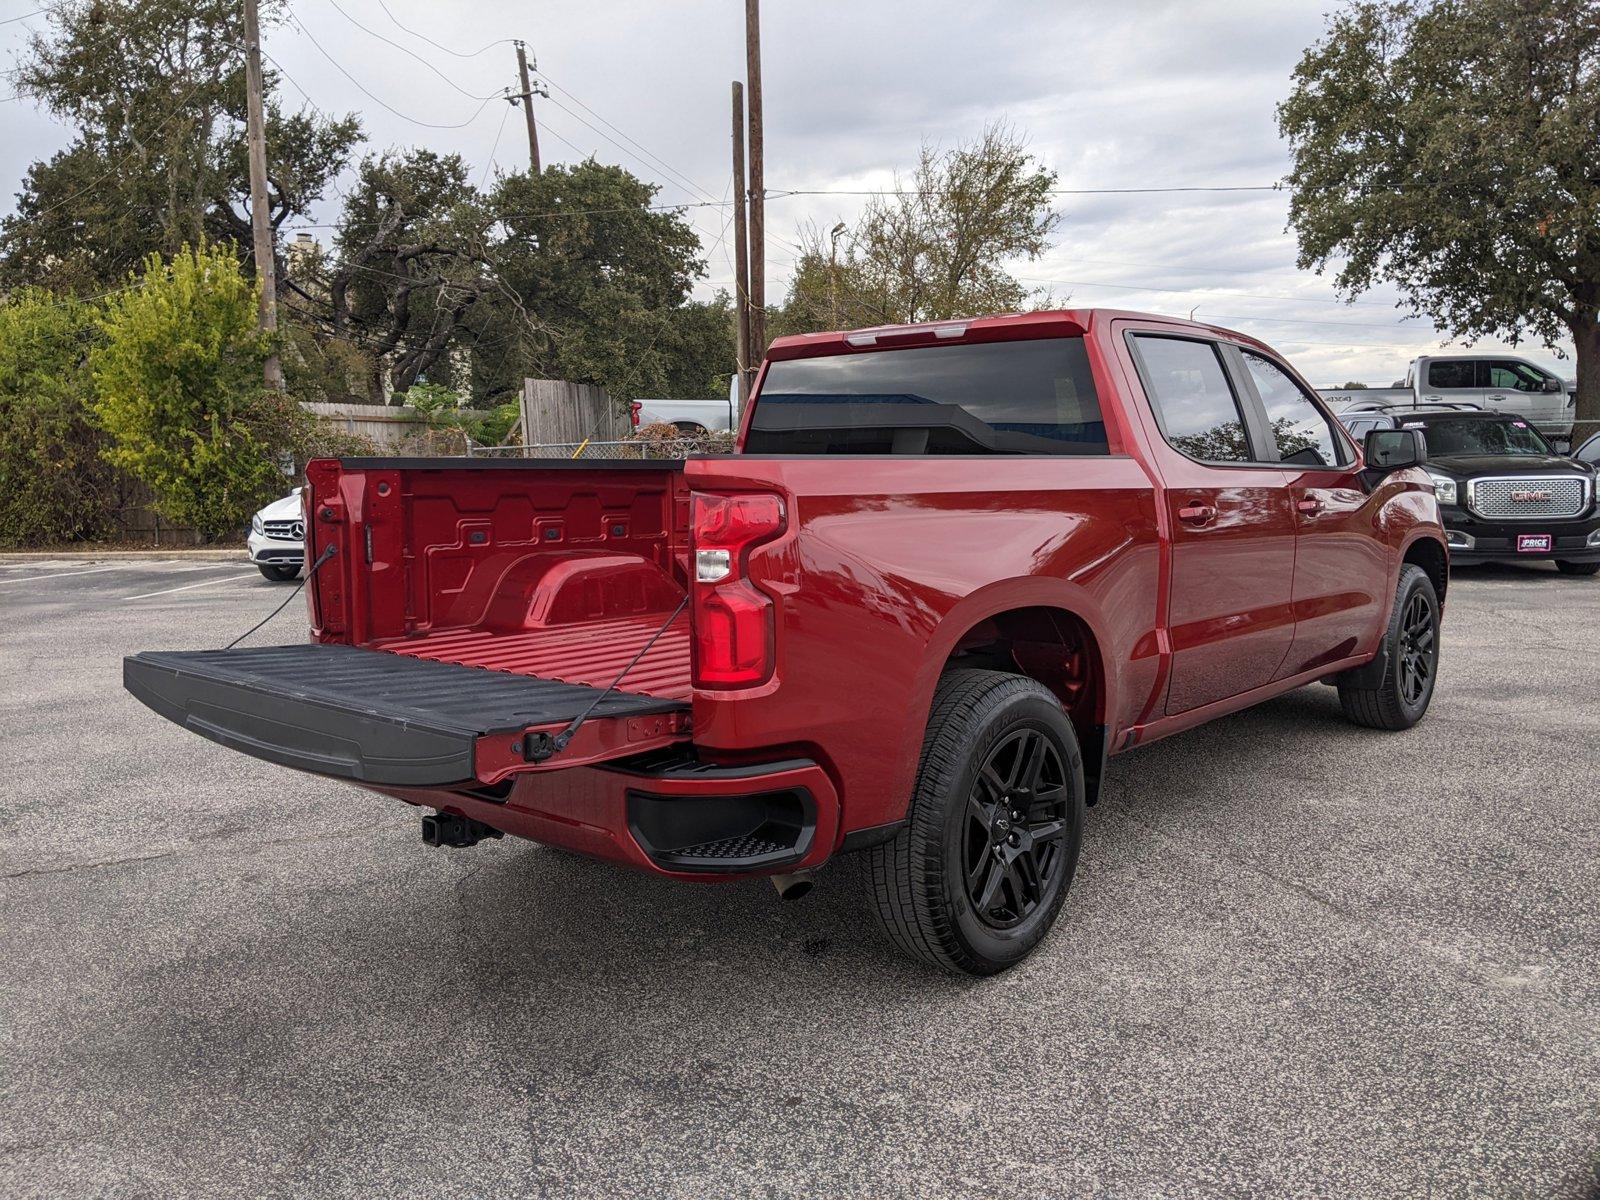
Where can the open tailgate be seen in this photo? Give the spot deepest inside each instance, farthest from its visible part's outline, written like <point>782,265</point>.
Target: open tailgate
<point>391,719</point>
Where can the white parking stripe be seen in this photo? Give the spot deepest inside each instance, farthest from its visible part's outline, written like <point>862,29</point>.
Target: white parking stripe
<point>59,574</point>
<point>189,587</point>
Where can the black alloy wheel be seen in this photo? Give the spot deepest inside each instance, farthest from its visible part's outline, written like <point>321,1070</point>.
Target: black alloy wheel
<point>1012,839</point>
<point>977,874</point>
<point>1419,648</point>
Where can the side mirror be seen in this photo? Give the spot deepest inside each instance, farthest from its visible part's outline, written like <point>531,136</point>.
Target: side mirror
<point>1390,450</point>
<point>1554,385</point>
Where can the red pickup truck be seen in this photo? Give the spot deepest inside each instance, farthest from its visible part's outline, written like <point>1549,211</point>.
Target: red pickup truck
<point>953,569</point>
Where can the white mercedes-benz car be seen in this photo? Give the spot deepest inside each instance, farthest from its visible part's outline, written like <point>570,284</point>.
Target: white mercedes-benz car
<point>277,538</point>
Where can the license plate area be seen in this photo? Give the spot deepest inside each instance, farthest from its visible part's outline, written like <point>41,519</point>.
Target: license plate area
<point>1535,543</point>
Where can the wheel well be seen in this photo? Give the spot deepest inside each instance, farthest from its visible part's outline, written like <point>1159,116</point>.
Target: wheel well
<point>1431,557</point>
<point>1057,648</point>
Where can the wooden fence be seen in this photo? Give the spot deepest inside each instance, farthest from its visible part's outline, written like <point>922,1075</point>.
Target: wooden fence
<point>387,428</point>
<point>556,411</point>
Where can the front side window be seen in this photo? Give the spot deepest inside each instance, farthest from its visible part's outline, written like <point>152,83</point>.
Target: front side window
<point>1019,397</point>
<point>1303,435</point>
<point>1193,401</point>
<point>1515,376</point>
<point>1453,375</point>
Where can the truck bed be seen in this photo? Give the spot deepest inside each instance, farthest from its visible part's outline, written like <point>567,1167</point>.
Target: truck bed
<point>368,715</point>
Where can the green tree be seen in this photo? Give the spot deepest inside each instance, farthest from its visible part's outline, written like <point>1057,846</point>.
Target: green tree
<point>54,484</point>
<point>178,389</point>
<point>601,280</point>
<point>1453,149</point>
<point>154,91</point>
<point>409,278</point>
<point>935,247</point>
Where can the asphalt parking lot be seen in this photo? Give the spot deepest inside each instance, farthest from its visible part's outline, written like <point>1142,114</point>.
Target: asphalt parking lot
<point>1300,957</point>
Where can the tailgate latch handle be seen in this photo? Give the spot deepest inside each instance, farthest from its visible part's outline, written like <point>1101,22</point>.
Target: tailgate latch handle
<point>536,747</point>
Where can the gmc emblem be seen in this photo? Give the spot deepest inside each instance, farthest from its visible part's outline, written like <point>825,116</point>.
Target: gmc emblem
<point>1530,497</point>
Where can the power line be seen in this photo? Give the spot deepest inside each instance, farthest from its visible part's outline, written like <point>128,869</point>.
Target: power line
<point>424,37</point>
<point>783,193</point>
<point>412,53</point>
<point>300,27</point>
<point>489,162</point>
<point>660,162</point>
<point>38,12</point>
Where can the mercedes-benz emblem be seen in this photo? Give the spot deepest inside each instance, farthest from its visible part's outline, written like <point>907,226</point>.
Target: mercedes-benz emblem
<point>298,530</point>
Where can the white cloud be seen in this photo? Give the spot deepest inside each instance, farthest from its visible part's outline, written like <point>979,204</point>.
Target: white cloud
<point>1139,94</point>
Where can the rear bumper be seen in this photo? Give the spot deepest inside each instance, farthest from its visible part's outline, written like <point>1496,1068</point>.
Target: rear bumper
<point>672,817</point>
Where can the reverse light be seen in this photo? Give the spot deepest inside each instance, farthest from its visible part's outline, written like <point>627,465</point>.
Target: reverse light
<point>1444,488</point>
<point>734,621</point>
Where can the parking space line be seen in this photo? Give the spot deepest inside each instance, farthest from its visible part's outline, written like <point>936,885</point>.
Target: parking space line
<point>189,587</point>
<point>58,574</point>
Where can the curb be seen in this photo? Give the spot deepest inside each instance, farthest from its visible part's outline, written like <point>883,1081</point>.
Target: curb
<point>237,553</point>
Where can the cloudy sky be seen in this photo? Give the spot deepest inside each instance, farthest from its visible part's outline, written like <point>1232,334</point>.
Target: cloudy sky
<point>1136,94</point>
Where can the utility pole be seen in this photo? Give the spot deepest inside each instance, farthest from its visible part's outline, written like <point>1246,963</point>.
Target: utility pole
<point>758,189</point>
<point>741,253</point>
<point>527,108</point>
<point>260,213</point>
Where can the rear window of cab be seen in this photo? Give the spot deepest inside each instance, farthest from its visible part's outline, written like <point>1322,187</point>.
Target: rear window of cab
<point>1016,397</point>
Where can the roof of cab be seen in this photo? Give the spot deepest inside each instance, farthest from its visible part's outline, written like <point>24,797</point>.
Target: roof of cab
<point>1001,327</point>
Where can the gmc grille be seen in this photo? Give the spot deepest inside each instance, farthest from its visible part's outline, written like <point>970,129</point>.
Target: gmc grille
<point>1528,498</point>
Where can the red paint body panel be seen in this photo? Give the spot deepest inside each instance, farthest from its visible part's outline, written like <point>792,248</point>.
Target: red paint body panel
<point>885,567</point>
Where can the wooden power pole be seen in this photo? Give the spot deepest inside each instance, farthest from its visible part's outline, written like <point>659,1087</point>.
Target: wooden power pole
<point>527,109</point>
<point>758,191</point>
<point>260,212</point>
<point>741,251</point>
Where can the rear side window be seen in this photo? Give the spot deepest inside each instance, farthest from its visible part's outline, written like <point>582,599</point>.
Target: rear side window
<point>1453,374</point>
<point>1193,401</point>
<point>1302,434</point>
<point>1027,397</point>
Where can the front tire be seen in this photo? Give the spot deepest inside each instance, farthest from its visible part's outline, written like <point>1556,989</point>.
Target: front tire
<point>1401,697</point>
<point>976,877</point>
<point>1578,568</point>
<point>278,574</point>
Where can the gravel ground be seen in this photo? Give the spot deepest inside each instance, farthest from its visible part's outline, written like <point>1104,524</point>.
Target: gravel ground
<point>1300,957</point>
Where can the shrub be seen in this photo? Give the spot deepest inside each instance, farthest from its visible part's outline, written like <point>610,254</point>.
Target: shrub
<point>55,486</point>
<point>178,389</point>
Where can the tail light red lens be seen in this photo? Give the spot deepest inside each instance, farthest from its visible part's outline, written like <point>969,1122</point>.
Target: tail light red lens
<point>735,622</point>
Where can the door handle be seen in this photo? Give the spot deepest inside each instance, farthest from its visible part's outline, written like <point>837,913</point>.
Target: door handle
<point>1497,397</point>
<point>1308,505</point>
<point>1197,514</point>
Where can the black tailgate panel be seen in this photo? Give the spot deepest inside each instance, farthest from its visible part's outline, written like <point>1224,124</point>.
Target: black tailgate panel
<point>358,714</point>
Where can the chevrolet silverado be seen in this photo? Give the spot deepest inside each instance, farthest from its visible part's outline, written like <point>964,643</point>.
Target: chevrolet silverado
<point>951,571</point>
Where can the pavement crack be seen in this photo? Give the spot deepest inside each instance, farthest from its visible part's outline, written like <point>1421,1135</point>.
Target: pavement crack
<point>95,865</point>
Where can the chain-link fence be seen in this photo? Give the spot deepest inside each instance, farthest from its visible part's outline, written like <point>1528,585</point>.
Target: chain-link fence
<point>652,448</point>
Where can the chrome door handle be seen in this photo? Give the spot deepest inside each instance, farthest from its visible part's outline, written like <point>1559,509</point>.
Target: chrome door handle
<point>1308,505</point>
<point>1197,514</point>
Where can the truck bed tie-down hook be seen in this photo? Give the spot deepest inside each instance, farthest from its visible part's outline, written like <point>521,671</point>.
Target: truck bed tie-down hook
<point>537,747</point>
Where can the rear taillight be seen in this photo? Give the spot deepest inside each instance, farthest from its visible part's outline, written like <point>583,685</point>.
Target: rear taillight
<point>735,626</point>
<point>633,412</point>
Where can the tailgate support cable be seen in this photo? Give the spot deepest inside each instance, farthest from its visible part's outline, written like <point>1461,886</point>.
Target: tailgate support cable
<point>537,747</point>
<point>321,558</point>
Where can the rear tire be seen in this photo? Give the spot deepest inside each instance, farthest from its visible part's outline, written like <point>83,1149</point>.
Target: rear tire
<point>1412,641</point>
<point>1578,568</point>
<point>976,877</point>
<point>278,574</point>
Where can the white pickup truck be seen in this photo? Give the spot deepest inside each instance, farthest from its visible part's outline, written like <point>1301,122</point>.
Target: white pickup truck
<point>690,416</point>
<point>1499,383</point>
